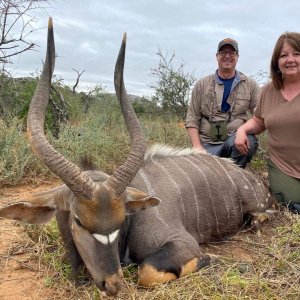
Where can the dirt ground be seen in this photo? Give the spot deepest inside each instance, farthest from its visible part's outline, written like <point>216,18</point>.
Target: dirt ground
<point>20,277</point>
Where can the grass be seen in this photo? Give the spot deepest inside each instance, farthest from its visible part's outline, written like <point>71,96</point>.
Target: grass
<point>14,151</point>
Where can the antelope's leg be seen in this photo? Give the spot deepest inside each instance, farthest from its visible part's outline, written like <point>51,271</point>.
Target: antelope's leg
<point>173,260</point>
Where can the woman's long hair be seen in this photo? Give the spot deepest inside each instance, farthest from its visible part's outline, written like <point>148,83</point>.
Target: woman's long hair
<point>293,39</point>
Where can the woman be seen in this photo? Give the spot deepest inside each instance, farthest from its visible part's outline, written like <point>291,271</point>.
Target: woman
<point>278,111</point>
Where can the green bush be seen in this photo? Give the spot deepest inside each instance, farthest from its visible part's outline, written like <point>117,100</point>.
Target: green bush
<point>100,133</point>
<point>16,158</point>
<point>14,152</point>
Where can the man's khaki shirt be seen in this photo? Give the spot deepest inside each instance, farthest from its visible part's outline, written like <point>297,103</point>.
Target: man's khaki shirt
<point>206,104</point>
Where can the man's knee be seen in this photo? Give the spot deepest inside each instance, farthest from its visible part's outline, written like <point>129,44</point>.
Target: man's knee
<point>253,145</point>
<point>242,160</point>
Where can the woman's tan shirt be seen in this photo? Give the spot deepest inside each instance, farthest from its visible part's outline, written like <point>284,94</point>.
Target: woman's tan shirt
<point>282,120</point>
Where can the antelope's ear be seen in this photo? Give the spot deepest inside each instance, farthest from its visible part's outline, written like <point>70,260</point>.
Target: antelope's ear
<point>36,208</point>
<point>136,200</point>
<point>28,213</point>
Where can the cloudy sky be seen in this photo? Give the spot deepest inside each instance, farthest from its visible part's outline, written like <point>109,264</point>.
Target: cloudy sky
<point>88,34</point>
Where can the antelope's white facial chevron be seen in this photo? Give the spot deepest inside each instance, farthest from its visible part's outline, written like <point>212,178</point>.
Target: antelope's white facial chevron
<point>106,239</point>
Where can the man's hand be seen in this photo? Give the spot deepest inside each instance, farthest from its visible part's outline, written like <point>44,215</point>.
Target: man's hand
<point>195,139</point>
<point>200,149</point>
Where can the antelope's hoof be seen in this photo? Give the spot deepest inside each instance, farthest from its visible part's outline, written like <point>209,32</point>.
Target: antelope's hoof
<point>257,220</point>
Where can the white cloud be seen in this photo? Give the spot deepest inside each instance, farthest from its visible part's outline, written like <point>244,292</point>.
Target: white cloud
<point>86,46</point>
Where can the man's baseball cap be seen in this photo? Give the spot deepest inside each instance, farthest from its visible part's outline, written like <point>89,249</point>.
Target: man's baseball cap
<point>230,42</point>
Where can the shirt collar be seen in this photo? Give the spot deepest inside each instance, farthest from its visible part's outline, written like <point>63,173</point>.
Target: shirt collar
<point>237,77</point>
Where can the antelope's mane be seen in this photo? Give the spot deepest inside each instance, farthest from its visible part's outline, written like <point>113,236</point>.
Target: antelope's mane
<point>159,150</point>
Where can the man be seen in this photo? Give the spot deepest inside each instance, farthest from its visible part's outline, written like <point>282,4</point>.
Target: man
<point>220,104</point>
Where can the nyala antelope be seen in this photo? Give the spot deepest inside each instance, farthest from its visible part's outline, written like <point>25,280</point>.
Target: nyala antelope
<point>154,210</point>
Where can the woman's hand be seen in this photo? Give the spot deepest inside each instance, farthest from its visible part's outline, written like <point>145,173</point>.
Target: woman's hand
<point>242,143</point>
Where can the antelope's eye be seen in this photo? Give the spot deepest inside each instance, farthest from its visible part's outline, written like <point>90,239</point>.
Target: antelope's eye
<point>78,221</point>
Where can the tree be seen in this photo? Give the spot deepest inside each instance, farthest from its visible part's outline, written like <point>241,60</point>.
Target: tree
<point>97,93</point>
<point>262,77</point>
<point>16,24</point>
<point>77,79</point>
<point>172,89</point>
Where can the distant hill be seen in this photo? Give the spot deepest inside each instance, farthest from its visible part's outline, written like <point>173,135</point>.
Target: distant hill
<point>135,97</point>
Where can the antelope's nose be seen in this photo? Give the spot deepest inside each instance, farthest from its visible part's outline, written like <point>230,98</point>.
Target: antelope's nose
<point>112,284</point>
